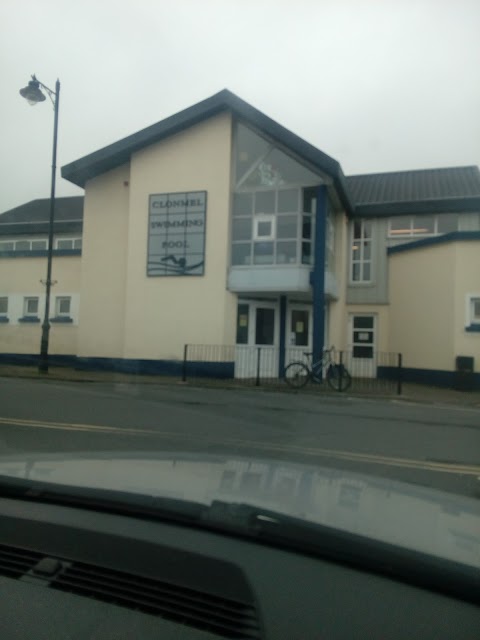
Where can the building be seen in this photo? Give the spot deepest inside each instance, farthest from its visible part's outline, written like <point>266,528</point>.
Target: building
<point>218,226</point>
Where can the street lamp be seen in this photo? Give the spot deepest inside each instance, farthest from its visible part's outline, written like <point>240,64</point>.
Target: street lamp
<point>33,94</point>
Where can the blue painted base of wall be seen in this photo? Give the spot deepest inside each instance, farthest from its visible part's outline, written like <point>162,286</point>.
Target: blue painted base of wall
<point>173,368</point>
<point>433,377</point>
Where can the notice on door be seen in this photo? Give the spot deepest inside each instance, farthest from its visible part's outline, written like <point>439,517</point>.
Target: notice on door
<point>176,234</point>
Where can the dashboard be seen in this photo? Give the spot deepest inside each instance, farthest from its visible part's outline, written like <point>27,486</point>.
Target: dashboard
<point>76,573</point>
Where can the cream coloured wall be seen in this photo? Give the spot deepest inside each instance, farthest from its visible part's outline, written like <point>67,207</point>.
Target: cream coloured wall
<point>164,313</point>
<point>20,278</point>
<point>422,318</point>
<point>467,281</point>
<point>104,264</point>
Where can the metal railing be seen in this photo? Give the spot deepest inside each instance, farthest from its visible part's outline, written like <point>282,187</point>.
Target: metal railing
<point>259,366</point>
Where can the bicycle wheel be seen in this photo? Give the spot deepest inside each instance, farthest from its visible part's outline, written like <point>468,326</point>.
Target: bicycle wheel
<point>297,375</point>
<point>338,377</point>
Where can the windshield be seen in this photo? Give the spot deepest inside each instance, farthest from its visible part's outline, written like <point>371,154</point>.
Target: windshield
<point>248,271</point>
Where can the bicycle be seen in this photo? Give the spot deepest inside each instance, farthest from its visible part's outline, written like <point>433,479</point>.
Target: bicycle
<point>298,373</point>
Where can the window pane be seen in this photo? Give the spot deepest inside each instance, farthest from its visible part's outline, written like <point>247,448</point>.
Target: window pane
<point>287,226</point>
<point>306,253</point>
<point>31,306</point>
<point>447,223</point>
<point>366,272</point>
<point>77,244</point>
<point>288,171</point>
<point>265,202</point>
<point>263,253</point>
<point>356,271</point>
<point>287,252</point>
<point>356,250</point>
<point>476,309</point>
<point>242,324</point>
<point>363,322</point>
<point>367,250</point>
<point>3,305</point>
<point>264,229</point>
<point>64,244</point>
<point>242,204</point>
<point>357,230</point>
<point>400,226</point>
<point>287,201</point>
<point>242,229</point>
<point>249,147</point>
<point>300,327</point>
<point>367,229</point>
<point>63,306</point>
<point>39,245</point>
<point>7,246</point>
<point>241,253</point>
<point>264,326</point>
<point>22,245</point>
<point>309,200</point>
<point>307,227</point>
<point>423,225</point>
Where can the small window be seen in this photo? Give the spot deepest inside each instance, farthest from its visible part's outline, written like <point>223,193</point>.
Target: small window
<point>473,310</point>
<point>264,228</point>
<point>62,306</point>
<point>77,243</point>
<point>30,307</point>
<point>7,246</point>
<point>3,305</point>
<point>447,223</point>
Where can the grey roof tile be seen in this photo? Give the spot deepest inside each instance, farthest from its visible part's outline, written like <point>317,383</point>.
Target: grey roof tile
<point>409,186</point>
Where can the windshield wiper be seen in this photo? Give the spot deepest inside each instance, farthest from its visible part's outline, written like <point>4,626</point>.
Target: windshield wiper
<point>110,500</point>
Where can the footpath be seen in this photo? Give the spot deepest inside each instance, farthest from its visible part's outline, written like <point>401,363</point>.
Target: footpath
<point>410,392</point>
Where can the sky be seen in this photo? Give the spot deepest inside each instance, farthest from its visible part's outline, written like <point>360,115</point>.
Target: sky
<point>380,85</point>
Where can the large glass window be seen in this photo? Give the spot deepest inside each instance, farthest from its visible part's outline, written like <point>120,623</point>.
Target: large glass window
<point>273,208</point>
<point>361,252</point>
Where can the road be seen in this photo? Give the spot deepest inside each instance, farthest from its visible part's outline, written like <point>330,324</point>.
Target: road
<point>430,445</point>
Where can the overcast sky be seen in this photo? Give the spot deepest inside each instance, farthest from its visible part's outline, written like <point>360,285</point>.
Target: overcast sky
<point>380,85</point>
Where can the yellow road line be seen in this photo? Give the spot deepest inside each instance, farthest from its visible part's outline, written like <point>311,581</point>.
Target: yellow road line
<point>442,467</point>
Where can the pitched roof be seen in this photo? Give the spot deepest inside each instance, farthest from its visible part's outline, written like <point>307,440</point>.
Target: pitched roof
<point>119,152</point>
<point>422,191</point>
<point>33,217</point>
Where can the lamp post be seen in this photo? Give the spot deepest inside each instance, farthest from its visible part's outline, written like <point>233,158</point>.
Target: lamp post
<point>33,94</point>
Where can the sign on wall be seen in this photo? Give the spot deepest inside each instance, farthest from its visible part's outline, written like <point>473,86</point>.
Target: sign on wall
<point>176,234</point>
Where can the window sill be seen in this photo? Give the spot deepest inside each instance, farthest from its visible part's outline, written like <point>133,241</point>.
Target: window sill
<point>473,328</point>
<point>4,319</point>
<point>29,319</point>
<point>62,320</point>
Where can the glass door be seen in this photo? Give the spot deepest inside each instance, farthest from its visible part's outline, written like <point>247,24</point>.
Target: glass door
<point>299,332</point>
<point>257,340</point>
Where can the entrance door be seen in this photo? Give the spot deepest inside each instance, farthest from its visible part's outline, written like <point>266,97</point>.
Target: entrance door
<point>257,340</point>
<point>299,332</point>
<point>362,339</point>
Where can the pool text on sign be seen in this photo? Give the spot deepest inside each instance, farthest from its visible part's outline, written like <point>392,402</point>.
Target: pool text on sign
<point>176,234</point>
